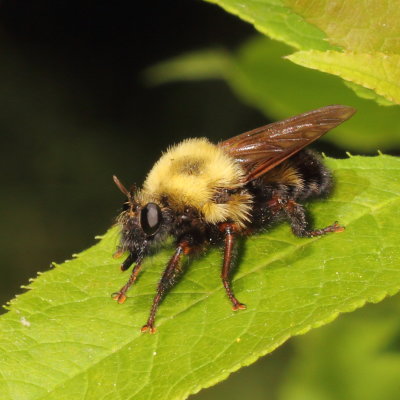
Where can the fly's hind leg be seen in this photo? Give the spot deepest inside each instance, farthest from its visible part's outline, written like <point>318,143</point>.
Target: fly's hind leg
<point>299,224</point>
<point>229,229</point>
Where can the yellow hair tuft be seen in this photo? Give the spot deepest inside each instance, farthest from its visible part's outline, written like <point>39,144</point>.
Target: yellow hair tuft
<point>190,174</point>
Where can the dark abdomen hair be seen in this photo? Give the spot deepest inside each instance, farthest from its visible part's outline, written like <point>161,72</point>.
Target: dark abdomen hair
<point>299,178</point>
<point>317,179</point>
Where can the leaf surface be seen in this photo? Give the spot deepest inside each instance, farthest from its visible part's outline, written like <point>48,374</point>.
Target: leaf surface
<point>359,26</point>
<point>65,338</point>
<point>377,71</point>
<point>358,41</point>
<point>279,21</point>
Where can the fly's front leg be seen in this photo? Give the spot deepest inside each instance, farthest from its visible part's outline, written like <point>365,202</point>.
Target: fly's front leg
<point>167,281</point>
<point>120,296</point>
<point>229,230</point>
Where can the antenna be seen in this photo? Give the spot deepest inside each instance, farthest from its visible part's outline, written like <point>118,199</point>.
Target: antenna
<point>122,188</point>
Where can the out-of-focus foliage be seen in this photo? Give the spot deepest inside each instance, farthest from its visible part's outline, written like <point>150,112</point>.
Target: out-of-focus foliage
<point>261,76</point>
<point>357,357</point>
<point>379,72</point>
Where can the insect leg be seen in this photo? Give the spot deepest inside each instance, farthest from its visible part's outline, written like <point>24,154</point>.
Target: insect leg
<point>297,218</point>
<point>228,229</point>
<point>167,281</point>
<point>121,295</point>
<point>128,262</point>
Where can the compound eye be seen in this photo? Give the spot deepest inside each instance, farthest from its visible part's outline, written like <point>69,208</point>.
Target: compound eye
<point>150,218</point>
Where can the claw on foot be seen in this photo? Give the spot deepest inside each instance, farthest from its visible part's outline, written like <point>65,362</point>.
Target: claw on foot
<point>239,306</point>
<point>150,328</point>
<point>118,254</point>
<point>119,297</point>
<point>337,228</point>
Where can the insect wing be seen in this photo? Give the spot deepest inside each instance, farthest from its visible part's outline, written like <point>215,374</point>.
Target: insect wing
<point>263,148</point>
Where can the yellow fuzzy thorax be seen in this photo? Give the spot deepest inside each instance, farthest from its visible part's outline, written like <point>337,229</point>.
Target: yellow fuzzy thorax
<point>191,173</point>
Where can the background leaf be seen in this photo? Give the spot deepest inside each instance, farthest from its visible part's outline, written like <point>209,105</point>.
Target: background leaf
<point>363,26</point>
<point>358,41</point>
<point>260,76</point>
<point>65,338</point>
<point>377,71</point>
<point>335,362</point>
<point>368,94</point>
<point>278,20</point>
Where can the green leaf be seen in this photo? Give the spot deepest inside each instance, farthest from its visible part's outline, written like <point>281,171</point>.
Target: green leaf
<point>368,94</point>
<point>205,64</point>
<point>376,71</point>
<point>66,339</point>
<point>368,27</point>
<point>260,76</point>
<point>278,21</point>
<point>357,357</point>
<point>358,42</point>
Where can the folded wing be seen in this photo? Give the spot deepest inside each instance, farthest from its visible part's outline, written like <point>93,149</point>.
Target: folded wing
<point>263,148</point>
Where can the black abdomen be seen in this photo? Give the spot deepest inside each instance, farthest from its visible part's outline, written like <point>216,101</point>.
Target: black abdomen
<point>301,177</point>
<point>317,179</point>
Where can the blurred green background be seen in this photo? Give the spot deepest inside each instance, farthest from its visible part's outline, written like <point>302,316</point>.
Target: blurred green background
<point>76,109</point>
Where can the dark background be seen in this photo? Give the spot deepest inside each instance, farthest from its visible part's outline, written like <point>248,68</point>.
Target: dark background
<point>74,110</point>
